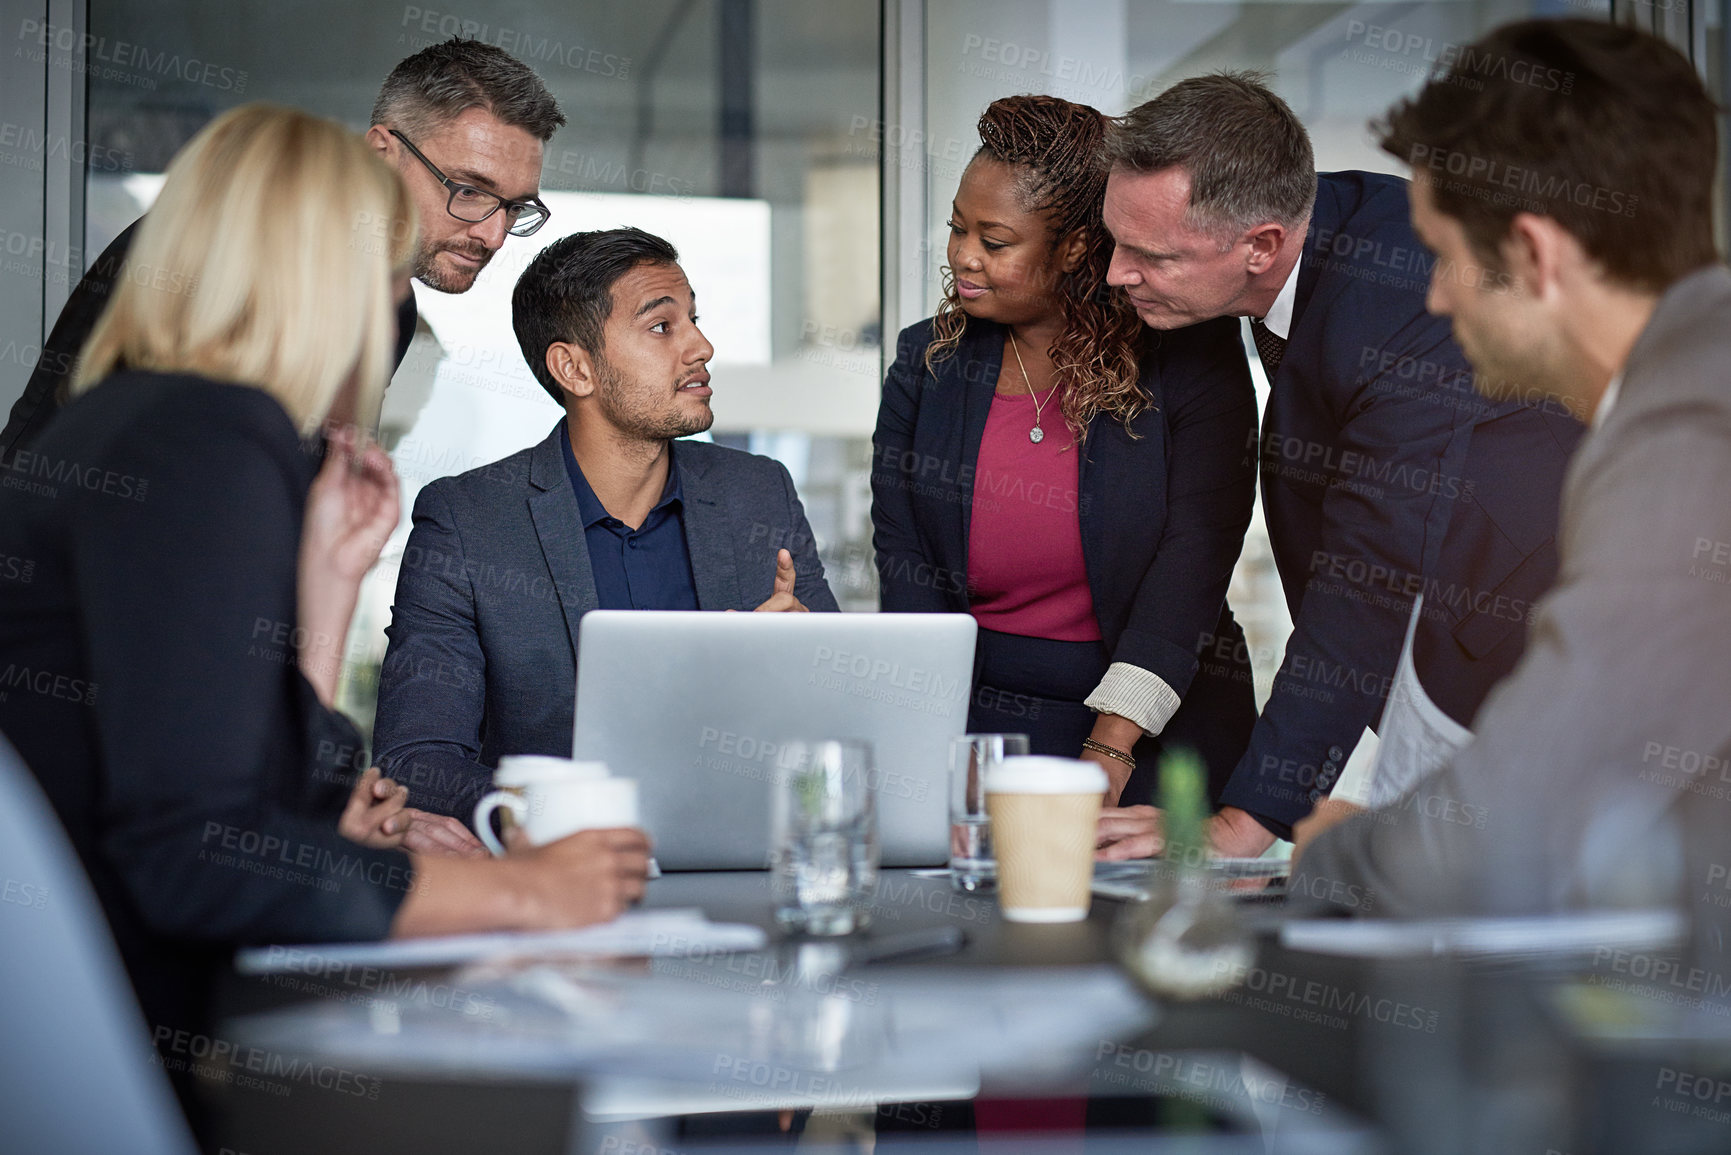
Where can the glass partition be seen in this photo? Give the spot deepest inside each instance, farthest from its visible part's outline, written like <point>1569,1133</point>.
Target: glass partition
<point>721,124</point>
<point>1337,64</point>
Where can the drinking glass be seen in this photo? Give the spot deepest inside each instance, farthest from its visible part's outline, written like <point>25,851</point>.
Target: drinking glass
<point>972,864</point>
<point>823,837</point>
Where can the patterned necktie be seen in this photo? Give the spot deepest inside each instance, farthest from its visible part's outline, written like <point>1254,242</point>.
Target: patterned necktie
<point>1268,346</point>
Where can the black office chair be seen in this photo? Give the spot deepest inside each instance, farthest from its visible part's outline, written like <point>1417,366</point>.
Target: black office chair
<point>77,1073</point>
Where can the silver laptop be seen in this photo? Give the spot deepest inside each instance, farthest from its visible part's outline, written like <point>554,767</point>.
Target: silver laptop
<point>695,707</point>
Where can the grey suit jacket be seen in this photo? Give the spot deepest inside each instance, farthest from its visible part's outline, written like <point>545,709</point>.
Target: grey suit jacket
<point>483,636</point>
<point>1616,724</point>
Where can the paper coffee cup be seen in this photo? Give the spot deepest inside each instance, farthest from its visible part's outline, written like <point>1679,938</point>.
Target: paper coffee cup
<point>1044,812</point>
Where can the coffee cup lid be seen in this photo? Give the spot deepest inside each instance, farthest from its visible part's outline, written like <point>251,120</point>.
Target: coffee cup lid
<point>1044,774</point>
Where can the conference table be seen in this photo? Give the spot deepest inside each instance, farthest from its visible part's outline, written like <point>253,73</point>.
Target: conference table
<point>948,1039</point>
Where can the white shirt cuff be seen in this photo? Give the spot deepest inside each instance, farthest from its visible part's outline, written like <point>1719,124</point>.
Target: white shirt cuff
<point>1137,694</point>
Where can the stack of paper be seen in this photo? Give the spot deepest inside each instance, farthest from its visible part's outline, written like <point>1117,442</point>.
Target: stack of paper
<point>636,933</point>
<point>1535,937</point>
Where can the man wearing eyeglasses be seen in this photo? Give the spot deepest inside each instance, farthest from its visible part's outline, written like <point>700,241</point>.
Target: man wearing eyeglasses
<point>487,194</point>
<point>465,124</point>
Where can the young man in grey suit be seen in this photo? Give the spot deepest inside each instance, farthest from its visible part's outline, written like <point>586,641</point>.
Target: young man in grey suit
<point>609,512</point>
<point>1563,176</point>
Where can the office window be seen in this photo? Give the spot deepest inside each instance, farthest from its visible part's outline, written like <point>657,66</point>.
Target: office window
<point>1337,65</point>
<point>752,133</point>
<point>722,124</point>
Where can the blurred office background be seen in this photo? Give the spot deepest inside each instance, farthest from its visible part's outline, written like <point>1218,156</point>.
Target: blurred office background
<point>800,153</point>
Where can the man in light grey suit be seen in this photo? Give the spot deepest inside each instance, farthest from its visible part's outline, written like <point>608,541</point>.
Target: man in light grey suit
<point>1563,176</point>
<point>609,512</point>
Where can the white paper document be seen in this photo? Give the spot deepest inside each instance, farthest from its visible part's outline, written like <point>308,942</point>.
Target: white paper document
<point>1132,878</point>
<point>1416,736</point>
<point>1538,936</point>
<point>635,933</point>
<point>732,1032</point>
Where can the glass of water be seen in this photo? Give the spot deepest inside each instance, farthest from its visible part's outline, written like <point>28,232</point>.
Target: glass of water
<point>973,867</point>
<point>823,837</point>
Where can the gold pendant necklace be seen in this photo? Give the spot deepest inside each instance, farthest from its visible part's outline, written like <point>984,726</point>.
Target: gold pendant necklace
<point>1036,434</point>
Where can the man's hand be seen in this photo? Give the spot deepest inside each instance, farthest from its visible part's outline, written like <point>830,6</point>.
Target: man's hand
<point>782,600</point>
<point>1132,832</point>
<point>1234,834</point>
<point>1329,812</point>
<point>439,834</point>
<point>373,816</point>
<point>583,878</point>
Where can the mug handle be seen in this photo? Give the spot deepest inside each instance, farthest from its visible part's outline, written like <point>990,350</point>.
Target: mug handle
<point>484,816</point>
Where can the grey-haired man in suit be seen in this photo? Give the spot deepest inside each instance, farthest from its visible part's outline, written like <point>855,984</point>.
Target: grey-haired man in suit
<point>1563,175</point>
<point>611,511</point>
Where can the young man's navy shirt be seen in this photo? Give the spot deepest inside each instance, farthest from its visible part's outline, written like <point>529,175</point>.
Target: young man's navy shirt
<point>647,568</point>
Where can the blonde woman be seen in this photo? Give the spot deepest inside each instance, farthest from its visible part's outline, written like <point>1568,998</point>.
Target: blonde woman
<point>187,569</point>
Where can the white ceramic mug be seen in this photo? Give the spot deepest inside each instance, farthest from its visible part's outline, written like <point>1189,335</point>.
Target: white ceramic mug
<point>517,771</point>
<point>553,797</point>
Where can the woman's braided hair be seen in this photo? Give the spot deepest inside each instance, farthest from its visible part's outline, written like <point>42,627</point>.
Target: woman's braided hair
<point>1058,147</point>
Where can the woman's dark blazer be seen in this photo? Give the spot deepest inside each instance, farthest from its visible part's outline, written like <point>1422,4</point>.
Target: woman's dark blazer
<point>1163,514</point>
<point>148,556</point>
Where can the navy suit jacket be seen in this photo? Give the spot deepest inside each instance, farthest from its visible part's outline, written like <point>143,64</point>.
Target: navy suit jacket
<point>483,652</point>
<point>1163,514</point>
<point>1385,475</point>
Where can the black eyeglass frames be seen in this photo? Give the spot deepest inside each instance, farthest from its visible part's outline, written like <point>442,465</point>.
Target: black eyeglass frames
<point>474,205</point>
